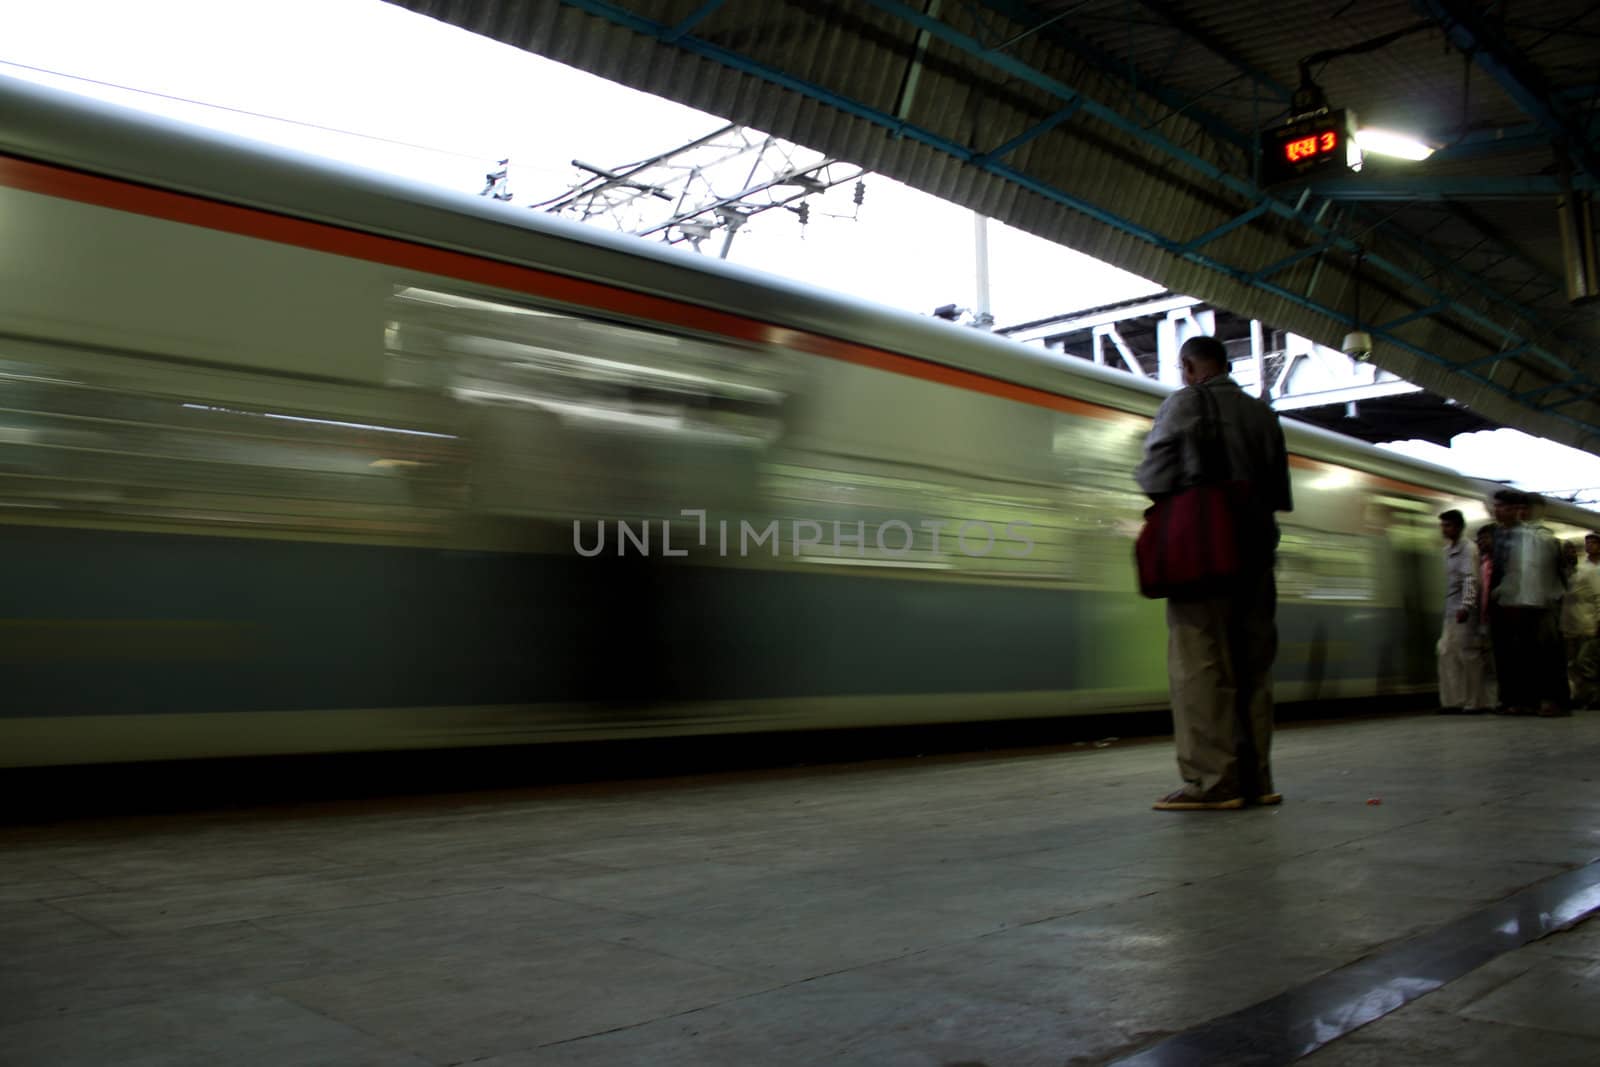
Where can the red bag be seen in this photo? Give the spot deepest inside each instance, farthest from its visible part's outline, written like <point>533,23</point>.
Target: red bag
<point>1190,544</point>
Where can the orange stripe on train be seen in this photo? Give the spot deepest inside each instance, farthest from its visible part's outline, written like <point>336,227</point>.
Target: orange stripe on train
<point>138,199</point>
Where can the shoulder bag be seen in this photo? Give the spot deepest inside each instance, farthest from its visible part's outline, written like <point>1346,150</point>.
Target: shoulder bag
<point>1190,545</point>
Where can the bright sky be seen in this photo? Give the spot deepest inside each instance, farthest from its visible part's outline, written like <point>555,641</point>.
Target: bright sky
<point>1515,457</point>
<point>465,101</point>
<point>417,98</point>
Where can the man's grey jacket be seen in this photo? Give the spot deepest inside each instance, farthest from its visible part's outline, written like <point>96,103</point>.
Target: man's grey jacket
<point>1252,441</point>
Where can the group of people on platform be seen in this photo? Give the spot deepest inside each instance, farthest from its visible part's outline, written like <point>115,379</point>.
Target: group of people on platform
<point>1521,632</point>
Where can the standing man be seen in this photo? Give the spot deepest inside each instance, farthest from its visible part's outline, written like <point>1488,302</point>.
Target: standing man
<point>1580,623</point>
<point>1461,687</point>
<point>1510,686</point>
<point>1220,648</point>
<point>1555,698</point>
<point>1485,644</point>
<point>1525,620</point>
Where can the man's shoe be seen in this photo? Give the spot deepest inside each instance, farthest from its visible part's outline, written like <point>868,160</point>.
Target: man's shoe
<point>1473,711</point>
<point>1553,711</point>
<point>1181,801</point>
<point>1267,800</point>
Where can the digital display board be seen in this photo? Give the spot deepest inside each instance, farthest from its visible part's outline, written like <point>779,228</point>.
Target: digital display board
<point>1312,147</point>
<point>1303,148</point>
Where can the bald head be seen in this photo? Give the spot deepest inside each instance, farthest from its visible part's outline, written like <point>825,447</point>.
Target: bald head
<point>1202,358</point>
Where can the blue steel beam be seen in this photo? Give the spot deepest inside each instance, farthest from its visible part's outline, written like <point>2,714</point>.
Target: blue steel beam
<point>736,61</point>
<point>1029,75</point>
<point>1484,361</point>
<point>1526,137</point>
<point>1020,70</point>
<point>1015,10</point>
<point>1409,188</point>
<point>690,21</point>
<point>1290,260</point>
<point>1471,148</point>
<point>1192,30</point>
<point>1469,31</point>
<point>1033,131</point>
<point>1018,11</point>
<point>1573,399</point>
<point>1525,395</point>
<point>1420,313</point>
<point>1037,27</point>
<point>1226,228</point>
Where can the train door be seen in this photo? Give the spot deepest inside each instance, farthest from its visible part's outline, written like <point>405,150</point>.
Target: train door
<point>1407,532</point>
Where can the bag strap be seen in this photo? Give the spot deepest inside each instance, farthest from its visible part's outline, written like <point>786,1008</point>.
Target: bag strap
<point>1213,452</point>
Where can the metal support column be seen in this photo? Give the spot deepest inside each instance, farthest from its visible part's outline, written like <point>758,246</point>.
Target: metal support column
<point>1167,368</point>
<point>1258,354</point>
<point>1123,350</point>
<point>983,316</point>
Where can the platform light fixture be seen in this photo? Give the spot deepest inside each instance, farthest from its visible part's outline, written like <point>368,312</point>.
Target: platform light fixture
<point>1319,141</point>
<point>1378,142</point>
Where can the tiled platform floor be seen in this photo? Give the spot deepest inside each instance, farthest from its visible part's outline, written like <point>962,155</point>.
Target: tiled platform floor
<point>1003,909</point>
<point>1538,1005</point>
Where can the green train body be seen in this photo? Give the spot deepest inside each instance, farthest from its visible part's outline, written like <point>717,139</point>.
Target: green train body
<point>297,459</point>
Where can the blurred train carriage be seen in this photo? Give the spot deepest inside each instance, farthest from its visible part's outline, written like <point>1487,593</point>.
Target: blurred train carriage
<point>290,458</point>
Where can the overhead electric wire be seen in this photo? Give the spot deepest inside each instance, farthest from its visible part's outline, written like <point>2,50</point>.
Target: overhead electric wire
<point>252,114</point>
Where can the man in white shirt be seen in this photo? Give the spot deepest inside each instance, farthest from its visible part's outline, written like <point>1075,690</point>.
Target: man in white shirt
<point>1461,666</point>
<point>1580,625</point>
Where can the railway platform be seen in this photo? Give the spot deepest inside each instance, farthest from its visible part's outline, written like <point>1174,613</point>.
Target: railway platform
<point>1420,897</point>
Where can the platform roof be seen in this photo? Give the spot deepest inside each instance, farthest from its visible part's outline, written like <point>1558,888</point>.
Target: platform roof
<point>1127,129</point>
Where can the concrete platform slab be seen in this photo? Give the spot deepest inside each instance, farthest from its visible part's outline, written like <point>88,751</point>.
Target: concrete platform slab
<point>464,1006</point>
<point>851,1019</point>
<point>91,976</point>
<point>1534,1005</point>
<point>1003,908</point>
<point>201,1030</point>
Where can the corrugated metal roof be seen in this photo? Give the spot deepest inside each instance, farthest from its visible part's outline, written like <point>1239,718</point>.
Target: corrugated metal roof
<point>810,70</point>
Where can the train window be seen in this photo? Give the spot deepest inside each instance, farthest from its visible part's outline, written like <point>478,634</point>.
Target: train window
<point>1410,525</point>
<point>1319,566</point>
<point>585,371</point>
<point>1101,452</point>
<point>584,417</point>
<point>925,519</point>
<point>102,437</point>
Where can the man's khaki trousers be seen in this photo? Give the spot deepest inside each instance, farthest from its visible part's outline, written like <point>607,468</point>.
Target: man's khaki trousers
<point>1219,666</point>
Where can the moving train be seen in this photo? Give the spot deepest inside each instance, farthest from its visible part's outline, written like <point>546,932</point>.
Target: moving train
<point>295,458</point>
